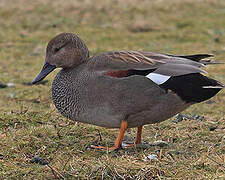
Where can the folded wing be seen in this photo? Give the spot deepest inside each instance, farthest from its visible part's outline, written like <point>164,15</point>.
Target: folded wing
<point>145,61</point>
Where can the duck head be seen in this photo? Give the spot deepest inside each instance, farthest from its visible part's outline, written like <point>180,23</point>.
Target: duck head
<point>66,50</point>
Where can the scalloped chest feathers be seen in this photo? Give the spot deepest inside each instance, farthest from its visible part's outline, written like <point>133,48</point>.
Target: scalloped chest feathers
<point>66,94</point>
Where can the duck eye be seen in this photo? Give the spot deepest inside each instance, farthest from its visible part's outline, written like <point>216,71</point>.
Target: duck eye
<point>56,49</point>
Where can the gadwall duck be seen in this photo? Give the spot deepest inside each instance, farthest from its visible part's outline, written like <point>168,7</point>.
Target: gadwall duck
<point>123,89</point>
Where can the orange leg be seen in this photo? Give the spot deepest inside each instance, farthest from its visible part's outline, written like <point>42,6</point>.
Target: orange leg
<point>137,139</point>
<point>119,139</point>
<point>138,136</point>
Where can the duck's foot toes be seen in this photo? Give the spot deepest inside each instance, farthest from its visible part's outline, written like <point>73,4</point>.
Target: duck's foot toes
<point>105,148</point>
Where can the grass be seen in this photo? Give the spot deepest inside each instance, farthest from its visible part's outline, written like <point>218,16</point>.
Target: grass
<point>30,125</point>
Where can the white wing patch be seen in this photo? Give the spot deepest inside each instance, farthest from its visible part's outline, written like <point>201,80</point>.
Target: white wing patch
<point>158,78</point>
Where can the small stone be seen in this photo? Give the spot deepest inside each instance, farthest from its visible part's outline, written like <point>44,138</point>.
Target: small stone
<point>10,84</point>
<point>39,160</point>
<point>198,117</point>
<point>2,85</point>
<point>178,118</point>
<point>212,128</point>
<point>160,143</point>
<point>152,157</point>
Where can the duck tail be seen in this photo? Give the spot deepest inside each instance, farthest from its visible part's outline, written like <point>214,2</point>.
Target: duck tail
<point>208,62</point>
<point>196,57</point>
<point>201,58</point>
<point>219,86</point>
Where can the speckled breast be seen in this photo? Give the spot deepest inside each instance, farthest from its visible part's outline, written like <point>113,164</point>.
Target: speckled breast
<point>65,96</point>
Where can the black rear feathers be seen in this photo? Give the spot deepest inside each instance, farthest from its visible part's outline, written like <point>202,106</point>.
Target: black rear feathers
<point>190,87</point>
